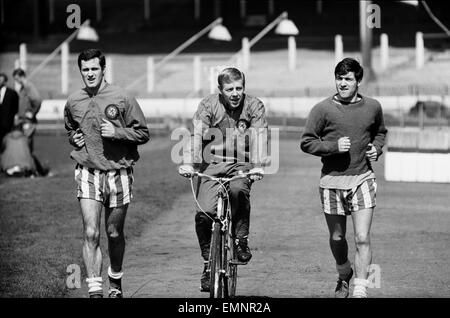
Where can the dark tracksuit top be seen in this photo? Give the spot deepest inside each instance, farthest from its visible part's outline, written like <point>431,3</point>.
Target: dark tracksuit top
<point>112,103</point>
<point>328,121</point>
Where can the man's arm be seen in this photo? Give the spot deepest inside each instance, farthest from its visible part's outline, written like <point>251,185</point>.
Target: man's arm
<point>260,136</point>
<point>311,141</point>
<point>136,130</point>
<point>70,125</point>
<point>14,102</point>
<point>193,149</point>
<point>379,132</point>
<point>201,123</point>
<point>35,100</point>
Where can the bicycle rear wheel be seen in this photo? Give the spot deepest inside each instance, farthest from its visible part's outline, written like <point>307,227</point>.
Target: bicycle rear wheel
<point>216,283</point>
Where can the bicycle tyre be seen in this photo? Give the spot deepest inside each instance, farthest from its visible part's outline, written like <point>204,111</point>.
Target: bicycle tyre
<point>231,258</point>
<point>216,281</point>
<point>232,268</point>
<point>232,281</point>
<point>225,263</point>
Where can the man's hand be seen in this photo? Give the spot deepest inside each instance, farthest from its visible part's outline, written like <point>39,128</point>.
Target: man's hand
<point>371,153</point>
<point>258,174</point>
<point>29,115</point>
<point>186,171</point>
<point>107,129</point>
<point>78,138</point>
<point>344,144</point>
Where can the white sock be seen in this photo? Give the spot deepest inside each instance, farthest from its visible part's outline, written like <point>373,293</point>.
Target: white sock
<point>114,275</point>
<point>94,285</point>
<point>360,289</point>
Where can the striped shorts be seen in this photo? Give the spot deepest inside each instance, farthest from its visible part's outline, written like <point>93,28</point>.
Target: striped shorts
<point>112,187</point>
<point>344,202</point>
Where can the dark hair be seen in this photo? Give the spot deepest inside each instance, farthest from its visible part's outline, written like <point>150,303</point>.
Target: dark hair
<point>4,76</point>
<point>349,65</point>
<point>19,72</point>
<point>90,54</point>
<point>230,74</point>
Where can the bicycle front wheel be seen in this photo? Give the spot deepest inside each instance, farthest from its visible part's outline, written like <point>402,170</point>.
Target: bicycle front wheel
<point>216,283</point>
<point>232,268</point>
<point>232,281</point>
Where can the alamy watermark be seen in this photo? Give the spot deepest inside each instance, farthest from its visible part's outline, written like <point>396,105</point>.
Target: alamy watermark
<point>73,280</point>
<point>374,277</point>
<point>74,19</point>
<point>373,19</point>
<point>259,146</point>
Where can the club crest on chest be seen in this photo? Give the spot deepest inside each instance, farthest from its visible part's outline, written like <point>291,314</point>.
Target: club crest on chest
<point>112,111</point>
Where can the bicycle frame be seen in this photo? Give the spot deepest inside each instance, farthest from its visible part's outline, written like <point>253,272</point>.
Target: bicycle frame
<point>222,262</point>
<point>218,255</point>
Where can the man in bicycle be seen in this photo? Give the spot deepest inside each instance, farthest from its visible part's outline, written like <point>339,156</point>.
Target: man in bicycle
<point>227,125</point>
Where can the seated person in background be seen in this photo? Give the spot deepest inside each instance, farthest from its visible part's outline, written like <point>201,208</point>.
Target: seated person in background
<point>16,158</point>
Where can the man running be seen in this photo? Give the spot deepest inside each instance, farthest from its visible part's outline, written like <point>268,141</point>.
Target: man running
<point>347,131</point>
<point>105,125</point>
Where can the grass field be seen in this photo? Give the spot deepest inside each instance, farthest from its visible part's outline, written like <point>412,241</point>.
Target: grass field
<point>40,231</point>
<point>40,224</point>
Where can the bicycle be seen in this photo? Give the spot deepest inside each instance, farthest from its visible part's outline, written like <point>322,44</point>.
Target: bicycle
<point>222,262</point>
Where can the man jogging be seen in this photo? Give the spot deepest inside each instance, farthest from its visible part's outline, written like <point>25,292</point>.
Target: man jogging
<point>105,125</point>
<point>347,131</point>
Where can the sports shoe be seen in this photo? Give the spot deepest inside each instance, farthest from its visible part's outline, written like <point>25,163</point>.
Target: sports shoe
<point>360,289</point>
<point>243,251</point>
<point>342,288</point>
<point>362,294</point>
<point>115,293</point>
<point>205,280</point>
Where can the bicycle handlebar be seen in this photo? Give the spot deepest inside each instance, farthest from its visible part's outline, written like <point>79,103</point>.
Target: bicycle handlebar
<point>222,181</point>
<point>228,179</point>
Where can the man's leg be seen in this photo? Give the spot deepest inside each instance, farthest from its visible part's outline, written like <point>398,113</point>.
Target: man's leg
<point>207,199</point>
<point>203,225</point>
<point>40,168</point>
<point>92,255</point>
<point>337,226</point>
<point>114,221</point>
<point>362,221</point>
<point>240,210</point>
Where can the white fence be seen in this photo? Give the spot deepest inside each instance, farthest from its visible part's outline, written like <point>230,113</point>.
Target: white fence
<point>416,155</point>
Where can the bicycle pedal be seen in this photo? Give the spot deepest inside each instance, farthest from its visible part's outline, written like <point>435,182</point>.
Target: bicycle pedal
<point>236,262</point>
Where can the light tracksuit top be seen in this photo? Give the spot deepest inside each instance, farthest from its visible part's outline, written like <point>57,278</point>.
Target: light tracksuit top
<point>85,112</point>
<point>216,136</point>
